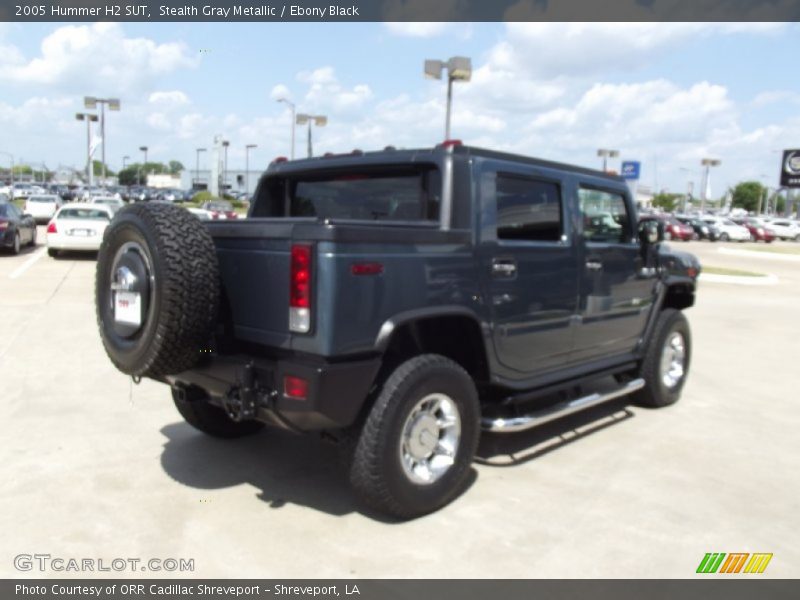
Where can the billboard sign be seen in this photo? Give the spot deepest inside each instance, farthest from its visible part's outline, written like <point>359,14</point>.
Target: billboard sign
<point>631,169</point>
<point>790,169</point>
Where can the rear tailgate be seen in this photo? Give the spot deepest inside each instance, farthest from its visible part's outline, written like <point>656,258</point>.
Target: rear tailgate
<point>254,259</point>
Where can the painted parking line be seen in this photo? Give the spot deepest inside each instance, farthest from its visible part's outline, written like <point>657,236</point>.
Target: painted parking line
<point>28,263</point>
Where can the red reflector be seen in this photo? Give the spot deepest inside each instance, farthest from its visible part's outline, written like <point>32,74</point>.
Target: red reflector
<point>366,269</point>
<point>51,228</point>
<point>295,387</point>
<point>692,272</point>
<point>281,159</point>
<point>300,284</point>
<point>451,143</point>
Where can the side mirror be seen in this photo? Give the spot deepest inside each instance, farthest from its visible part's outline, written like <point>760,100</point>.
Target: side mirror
<point>651,232</point>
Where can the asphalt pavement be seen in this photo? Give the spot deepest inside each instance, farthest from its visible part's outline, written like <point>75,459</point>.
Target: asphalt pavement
<point>97,467</point>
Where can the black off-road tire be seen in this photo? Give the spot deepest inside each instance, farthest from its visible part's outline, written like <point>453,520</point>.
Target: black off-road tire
<point>376,471</point>
<point>656,393</point>
<point>182,294</point>
<point>198,412</point>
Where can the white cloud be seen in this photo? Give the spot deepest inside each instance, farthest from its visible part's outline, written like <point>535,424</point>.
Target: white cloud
<point>280,91</point>
<point>77,57</point>
<point>326,93</point>
<point>173,98</point>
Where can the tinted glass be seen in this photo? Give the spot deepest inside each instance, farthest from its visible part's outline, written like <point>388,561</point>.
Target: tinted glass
<point>605,216</point>
<point>379,194</point>
<point>42,199</point>
<point>528,209</point>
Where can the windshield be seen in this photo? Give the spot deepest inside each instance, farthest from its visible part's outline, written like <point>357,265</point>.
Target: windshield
<point>404,193</point>
<point>42,199</point>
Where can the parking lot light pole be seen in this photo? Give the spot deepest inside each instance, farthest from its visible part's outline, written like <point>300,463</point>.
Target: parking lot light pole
<point>225,144</point>
<point>605,154</point>
<point>144,165</point>
<point>88,117</point>
<point>291,105</point>
<point>247,149</point>
<point>113,104</point>
<point>459,68</point>
<point>707,163</point>
<point>197,167</point>
<point>125,160</point>
<point>318,120</point>
<point>11,156</point>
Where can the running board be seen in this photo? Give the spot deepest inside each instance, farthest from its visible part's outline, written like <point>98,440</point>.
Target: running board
<point>513,424</point>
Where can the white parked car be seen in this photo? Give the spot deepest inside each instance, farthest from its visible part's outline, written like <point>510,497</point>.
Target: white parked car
<point>114,203</point>
<point>785,229</point>
<point>42,208</point>
<point>22,190</point>
<point>78,226</point>
<point>203,215</point>
<point>728,230</point>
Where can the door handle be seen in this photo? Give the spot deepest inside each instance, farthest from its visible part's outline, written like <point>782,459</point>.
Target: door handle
<point>594,265</point>
<point>504,267</point>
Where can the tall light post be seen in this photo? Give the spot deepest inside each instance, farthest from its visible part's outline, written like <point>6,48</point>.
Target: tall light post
<point>125,160</point>
<point>605,154</point>
<point>459,68</point>
<point>89,118</point>
<point>318,120</point>
<point>144,164</point>
<point>247,149</point>
<point>113,104</point>
<point>197,168</point>
<point>11,170</point>
<point>225,144</point>
<point>291,105</point>
<point>706,163</point>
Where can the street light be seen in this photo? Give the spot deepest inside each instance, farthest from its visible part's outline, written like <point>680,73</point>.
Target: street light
<point>707,163</point>
<point>318,120</point>
<point>89,118</point>
<point>144,165</point>
<point>459,68</point>
<point>113,104</point>
<point>291,106</point>
<point>197,167</point>
<point>247,149</point>
<point>225,144</point>
<point>125,160</point>
<point>11,156</point>
<point>605,155</point>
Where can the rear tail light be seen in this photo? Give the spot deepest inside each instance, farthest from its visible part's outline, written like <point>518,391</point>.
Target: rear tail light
<point>51,227</point>
<point>300,289</point>
<point>3,224</point>
<point>295,387</point>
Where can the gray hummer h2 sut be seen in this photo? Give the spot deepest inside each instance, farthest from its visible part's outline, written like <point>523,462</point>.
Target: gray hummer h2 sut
<point>400,301</point>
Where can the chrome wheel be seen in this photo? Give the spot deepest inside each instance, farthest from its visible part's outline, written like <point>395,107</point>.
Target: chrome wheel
<point>673,360</point>
<point>430,439</point>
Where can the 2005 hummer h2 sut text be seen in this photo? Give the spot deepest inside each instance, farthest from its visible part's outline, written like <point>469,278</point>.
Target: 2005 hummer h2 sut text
<point>400,301</point>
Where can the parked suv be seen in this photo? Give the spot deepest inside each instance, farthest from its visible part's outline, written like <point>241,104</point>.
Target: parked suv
<point>399,302</point>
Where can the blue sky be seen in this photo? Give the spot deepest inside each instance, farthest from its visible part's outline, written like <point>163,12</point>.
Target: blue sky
<point>665,94</point>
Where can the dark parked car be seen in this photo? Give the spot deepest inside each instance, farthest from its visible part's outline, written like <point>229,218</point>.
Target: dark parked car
<point>397,302</point>
<point>702,230</point>
<point>16,228</point>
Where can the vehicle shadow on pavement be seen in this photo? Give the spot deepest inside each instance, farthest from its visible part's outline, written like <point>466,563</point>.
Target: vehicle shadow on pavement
<point>511,449</point>
<point>76,255</point>
<point>286,468</point>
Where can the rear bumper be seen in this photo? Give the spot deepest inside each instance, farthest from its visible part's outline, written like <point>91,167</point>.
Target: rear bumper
<point>65,242</point>
<point>335,393</point>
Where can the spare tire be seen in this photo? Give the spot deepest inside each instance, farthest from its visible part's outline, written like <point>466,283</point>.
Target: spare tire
<point>156,289</point>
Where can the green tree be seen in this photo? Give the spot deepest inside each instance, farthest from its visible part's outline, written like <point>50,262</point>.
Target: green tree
<point>175,167</point>
<point>748,195</point>
<point>97,169</point>
<point>669,202</point>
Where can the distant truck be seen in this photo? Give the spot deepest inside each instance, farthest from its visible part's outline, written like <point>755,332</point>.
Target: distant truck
<point>399,302</point>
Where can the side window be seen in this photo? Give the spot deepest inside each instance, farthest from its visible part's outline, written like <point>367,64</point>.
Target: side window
<point>605,216</point>
<point>14,211</point>
<point>528,209</point>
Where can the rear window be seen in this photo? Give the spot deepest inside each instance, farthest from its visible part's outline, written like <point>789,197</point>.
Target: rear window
<point>84,213</point>
<point>42,199</point>
<point>385,194</point>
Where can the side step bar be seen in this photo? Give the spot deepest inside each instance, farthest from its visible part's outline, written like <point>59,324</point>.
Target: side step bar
<point>513,424</point>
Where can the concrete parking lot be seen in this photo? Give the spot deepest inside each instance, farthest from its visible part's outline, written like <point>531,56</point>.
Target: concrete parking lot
<point>97,467</point>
